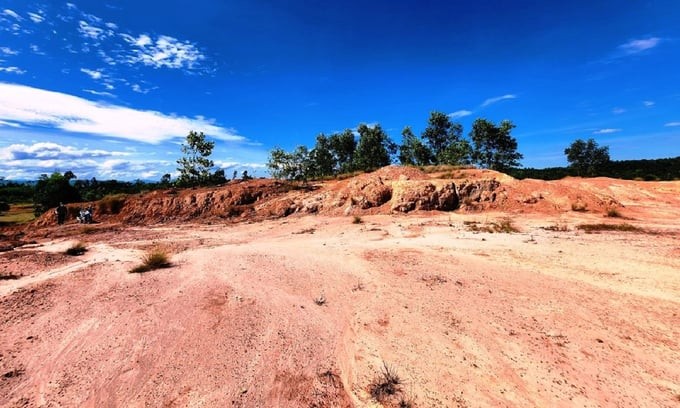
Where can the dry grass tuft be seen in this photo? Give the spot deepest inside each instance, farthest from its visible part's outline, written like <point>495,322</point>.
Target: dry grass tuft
<point>590,228</point>
<point>76,249</point>
<point>386,384</point>
<point>154,259</point>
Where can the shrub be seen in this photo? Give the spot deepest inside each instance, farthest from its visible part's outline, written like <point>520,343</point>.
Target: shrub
<point>357,220</point>
<point>579,207</point>
<point>557,227</point>
<point>76,249</point>
<point>385,384</point>
<point>111,204</point>
<point>154,259</point>
<point>608,227</point>
<point>613,213</point>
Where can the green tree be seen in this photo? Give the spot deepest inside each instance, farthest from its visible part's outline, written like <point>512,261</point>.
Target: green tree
<point>343,146</point>
<point>194,167</point>
<point>445,140</point>
<point>322,161</point>
<point>493,147</point>
<point>375,148</point>
<point>295,165</point>
<point>51,190</point>
<point>586,158</point>
<point>413,151</point>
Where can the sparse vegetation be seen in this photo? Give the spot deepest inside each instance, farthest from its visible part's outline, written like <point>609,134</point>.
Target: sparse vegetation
<point>385,384</point>
<point>154,259</point>
<point>357,220</point>
<point>359,286</point>
<point>613,213</point>
<point>76,249</point>
<point>8,276</point>
<point>503,225</point>
<point>589,228</point>
<point>320,300</point>
<point>579,206</point>
<point>111,204</point>
<point>557,227</point>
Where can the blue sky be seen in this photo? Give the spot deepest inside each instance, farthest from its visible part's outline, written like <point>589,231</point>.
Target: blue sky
<point>110,89</point>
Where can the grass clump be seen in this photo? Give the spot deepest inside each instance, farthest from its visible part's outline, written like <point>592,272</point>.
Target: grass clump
<point>557,227</point>
<point>579,207</point>
<point>503,225</point>
<point>357,220</point>
<point>76,249</point>
<point>613,213</point>
<point>386,384</point>
<point>590,228</point>
<point>111,204</point>
<point>154,259</point>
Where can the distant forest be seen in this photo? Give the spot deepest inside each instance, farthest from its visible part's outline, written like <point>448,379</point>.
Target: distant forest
<point>647,170</point>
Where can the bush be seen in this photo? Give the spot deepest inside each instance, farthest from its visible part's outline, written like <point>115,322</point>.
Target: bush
<point>76,249</point>
<point>154,259</point>
<point>385,384</point>
<point>613,213</point>
<point>111,204</point>
<point>608,227</point>
<point>357,220</point>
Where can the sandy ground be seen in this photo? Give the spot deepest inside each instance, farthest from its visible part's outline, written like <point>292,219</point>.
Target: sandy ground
<point>305,312</point>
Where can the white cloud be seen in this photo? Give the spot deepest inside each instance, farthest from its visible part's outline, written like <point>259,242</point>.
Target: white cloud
<point>460,114</point>
<point>12,70</point>
<point>10,124</point>
<point>48,150</point>
<point>36,50</point>
<point>99,93</point>
<point>618,111</point>
<point>8,51</point>
<point>164,52</point>
<point>11,13</point>
<point>94,74</point>
<point>606,131</point>
<point>33,106</point>
<point>36,18</point>
<point>493,100</point>
<point>672,124</point>
<point>93,32</point>
<point>648,104</point>
<point>637,46</point>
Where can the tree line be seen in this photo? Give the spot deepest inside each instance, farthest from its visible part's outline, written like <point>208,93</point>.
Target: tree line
<point>369,147</point>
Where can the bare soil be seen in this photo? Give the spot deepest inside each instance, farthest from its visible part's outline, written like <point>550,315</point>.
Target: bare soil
<point>266,309</point>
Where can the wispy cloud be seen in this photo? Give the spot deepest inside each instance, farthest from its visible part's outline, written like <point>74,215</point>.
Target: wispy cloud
<point>9,124</point>
<point>672,124</point>
<point>36,17</point>
<point>648,104</point>
<point>460,114</point>
<point>92,32</point>
<point>12,70</point>
<point>21,161</point>
<point>639,45</point>
<point>8,51</point>
<point>94,74</point>
<point>12,14</point>
<point>99,93</point>
<point>47,150</point>
<point>618,111</point>
<point>606,131</point>
<point>163,52</point>
<point>496,99</point>
<point>33,106</point>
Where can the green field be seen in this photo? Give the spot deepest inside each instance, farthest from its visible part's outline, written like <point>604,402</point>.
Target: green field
<point>17,214</point>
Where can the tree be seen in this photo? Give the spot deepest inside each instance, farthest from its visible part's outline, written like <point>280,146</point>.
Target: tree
<point>375,148</point>
<point>321,158</point>
<point>492,146</point>
<point>291,166</point>
<point>165,180</point>
<point>343,146</point>
<point>586,158</point>
<point>445,140</point>
<point>50,191</point>
<point>194,167</point>
<point>413,151</point>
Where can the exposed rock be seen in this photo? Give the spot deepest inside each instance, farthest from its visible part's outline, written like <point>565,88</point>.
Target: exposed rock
<point>423,195</point>
<point>369,191</point>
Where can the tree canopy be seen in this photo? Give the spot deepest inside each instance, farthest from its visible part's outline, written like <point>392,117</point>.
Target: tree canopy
<point>586,158</point>
<point>195,166</point>
<point>492,146</point>
<point>445,140</point>
<point>51,190</point>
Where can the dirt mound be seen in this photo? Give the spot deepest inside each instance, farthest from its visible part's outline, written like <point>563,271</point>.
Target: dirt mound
<point>387,190</point>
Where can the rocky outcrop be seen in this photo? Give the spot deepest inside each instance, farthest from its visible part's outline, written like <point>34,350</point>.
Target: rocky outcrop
<point>423,195</point>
